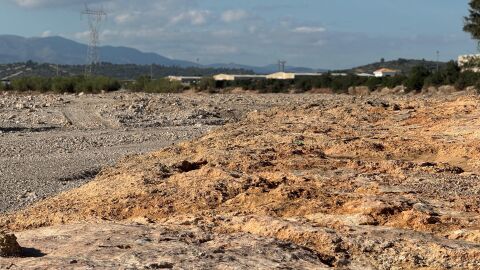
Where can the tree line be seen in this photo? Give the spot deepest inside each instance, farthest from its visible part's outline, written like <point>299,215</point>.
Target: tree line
<point>75,84</point>
<point>119,71</point>
<point>418,78</point>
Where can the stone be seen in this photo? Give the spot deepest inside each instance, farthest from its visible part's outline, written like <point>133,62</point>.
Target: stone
<point>9,246</point>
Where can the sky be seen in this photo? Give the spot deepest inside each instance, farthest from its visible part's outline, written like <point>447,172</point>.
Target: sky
<point>329,34</point>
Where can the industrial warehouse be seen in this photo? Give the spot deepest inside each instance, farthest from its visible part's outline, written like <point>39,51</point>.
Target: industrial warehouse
<point>246,77</point>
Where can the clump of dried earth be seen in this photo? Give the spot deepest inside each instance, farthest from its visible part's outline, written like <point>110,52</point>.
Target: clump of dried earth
<point>9,246</point>
<point>336,182</point>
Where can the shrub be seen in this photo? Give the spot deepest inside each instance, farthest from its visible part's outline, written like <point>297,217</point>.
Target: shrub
<point>66,84</point>
<point>466,79</point>
<point>63,84</point>
<point>207,84</point>
<point>392,82</point>
<point>416,78</point>
<point>163,86</point>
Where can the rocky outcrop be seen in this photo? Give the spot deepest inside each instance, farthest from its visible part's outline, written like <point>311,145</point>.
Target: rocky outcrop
<point>149,246</point>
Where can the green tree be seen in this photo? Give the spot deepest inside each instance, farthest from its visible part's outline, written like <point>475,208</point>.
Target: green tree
<point>451,73</point>
<point>416,79</point>
<point>472,22</point>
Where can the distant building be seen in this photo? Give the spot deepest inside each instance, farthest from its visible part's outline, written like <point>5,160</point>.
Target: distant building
<point>385,72</point>
<point>464,59</point>
<point>281,76</point>
<point>186,80</point>
<point>232,77</point>
<point>365,75</point>
<point>291,76</point>
<point>5,82</point>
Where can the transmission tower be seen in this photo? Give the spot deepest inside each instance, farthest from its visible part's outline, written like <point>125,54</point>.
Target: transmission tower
<point>95,18</point>
<point>281,65</point>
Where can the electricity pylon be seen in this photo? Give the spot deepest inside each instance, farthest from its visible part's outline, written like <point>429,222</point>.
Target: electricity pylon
<point>95,18</point>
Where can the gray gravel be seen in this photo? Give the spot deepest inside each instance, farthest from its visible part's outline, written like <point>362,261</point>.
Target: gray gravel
<point>52,143</point>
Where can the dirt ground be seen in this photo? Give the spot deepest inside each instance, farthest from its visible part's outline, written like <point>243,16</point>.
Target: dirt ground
<point>53,143</point>
<point>343,182</point>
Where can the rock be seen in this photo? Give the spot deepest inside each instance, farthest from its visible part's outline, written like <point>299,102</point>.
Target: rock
<point>467,235</point>
<point>429,90</point>
<point>9,246</point>
<point>115,246</point>
<point>472,90</point>
<point>359,91</point>
<point>447,89</point>
<point>398,90</point>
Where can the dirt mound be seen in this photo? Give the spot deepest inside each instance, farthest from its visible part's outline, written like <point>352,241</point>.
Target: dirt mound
<point>364,182</point>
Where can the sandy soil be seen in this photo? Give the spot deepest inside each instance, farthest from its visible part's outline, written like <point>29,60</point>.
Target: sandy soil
<point>363,183</point>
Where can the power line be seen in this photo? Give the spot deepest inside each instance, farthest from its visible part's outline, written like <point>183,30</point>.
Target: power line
<point>95,18</point>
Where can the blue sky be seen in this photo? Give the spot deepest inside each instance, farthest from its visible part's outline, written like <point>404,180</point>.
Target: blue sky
<point>313,33</point>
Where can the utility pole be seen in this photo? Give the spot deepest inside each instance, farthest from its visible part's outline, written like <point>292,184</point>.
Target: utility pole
<point>438,61</point>
<point>151,72</point>
<point>95,18</point>
<point>281,65</point>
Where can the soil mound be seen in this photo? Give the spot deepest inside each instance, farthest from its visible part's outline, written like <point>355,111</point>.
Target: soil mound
<point>362,182</point>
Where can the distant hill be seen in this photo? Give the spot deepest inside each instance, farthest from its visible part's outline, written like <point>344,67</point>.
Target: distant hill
<point>119,71</point>
<point>63,51</point>
<point>404,65</point>
<point>59,50</point>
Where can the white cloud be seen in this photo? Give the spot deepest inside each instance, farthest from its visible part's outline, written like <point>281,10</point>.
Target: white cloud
<point>223,33</point>
<point>309,30</point>
<point>125,18</point>
<point>51,3</point>
<point>194,17</point>
<point>47,33</point>
<point>233,15</point>
<point>82,35</point>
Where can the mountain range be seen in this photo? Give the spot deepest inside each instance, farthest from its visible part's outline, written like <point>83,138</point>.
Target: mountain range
<point>59,50</point>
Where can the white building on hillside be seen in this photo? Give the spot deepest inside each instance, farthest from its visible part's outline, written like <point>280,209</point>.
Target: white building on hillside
<point>385,72</point>
<point>291,76</point>
<point>281,76</point>
<point>464,59</point>
<point>364,75</point>
<point>187,80</point>
<point>231,77</point>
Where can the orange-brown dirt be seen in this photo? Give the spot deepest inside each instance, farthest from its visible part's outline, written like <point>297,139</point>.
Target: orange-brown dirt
<point>366,183</point>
